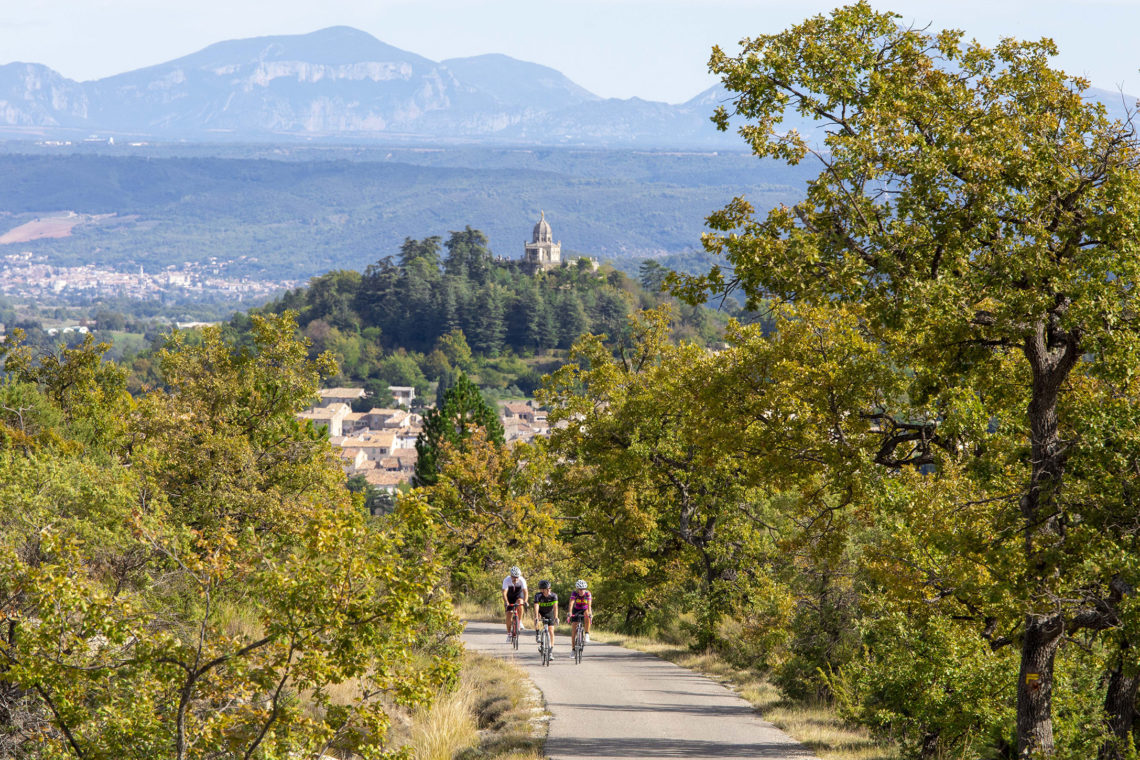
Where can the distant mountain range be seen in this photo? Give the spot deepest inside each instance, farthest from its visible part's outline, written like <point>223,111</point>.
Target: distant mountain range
<point>344,83</point>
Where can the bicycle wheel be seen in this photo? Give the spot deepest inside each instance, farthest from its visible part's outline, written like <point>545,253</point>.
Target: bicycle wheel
<point>515,633</point>
<point>579,643</point>
<point>545,647</point>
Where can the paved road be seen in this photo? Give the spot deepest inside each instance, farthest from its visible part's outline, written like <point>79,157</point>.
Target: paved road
<point>621,704</point>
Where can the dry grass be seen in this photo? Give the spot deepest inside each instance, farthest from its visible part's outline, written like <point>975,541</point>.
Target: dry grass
<point>445,729</point>
<point>507,709</point>
<point>489,612</point>
<point>495,713</point>
<point>817,727</point>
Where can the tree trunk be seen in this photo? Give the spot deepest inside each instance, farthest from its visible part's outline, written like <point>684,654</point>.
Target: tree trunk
<point>1051,354</point>
<point>1035,685</point>
<point>634,617</point>
<point>1120,706</point>
<point>10,694</point>
<point>709,616</point>
<point>929,749</point>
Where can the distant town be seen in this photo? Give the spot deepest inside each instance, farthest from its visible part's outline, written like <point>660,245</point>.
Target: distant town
<point>28,275</point>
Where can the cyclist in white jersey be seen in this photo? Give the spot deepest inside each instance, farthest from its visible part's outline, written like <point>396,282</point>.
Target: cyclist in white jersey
<point>514,591</point>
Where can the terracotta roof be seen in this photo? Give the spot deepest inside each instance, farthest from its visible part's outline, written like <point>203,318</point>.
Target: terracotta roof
<point>387,478</point>
<point>371,440</point>
<point>342,392</point>
<point>324,412</point>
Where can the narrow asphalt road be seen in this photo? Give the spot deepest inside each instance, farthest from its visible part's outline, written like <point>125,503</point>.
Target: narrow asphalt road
<point>621,704</point>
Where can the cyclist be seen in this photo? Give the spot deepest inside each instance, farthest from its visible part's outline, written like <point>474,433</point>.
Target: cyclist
<point>581,609</point>
<point>514,593</point>
<point>546,605</point>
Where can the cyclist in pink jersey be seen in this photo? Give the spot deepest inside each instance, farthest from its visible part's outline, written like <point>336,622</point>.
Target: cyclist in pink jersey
<point>581,609</point>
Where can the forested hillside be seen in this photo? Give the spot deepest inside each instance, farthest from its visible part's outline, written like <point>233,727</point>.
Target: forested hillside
<point>439,307</point>
<point>296,218</point>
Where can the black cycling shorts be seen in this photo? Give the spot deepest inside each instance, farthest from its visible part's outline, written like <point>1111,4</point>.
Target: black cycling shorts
<point>547,617</point>
<point>577,617</point>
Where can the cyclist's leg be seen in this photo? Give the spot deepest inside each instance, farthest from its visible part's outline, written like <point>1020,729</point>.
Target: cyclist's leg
<point>547,623</point>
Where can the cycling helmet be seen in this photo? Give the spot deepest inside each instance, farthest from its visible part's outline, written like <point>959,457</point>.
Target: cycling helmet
<point>515,572</point>
<point>544,584</point>
<point>580,584</point>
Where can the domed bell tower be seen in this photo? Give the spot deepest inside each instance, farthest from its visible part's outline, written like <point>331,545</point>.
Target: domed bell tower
<point>542,252</point>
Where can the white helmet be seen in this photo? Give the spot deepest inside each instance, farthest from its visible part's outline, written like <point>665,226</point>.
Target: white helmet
<point>580,584</point>
<point>515,572</point>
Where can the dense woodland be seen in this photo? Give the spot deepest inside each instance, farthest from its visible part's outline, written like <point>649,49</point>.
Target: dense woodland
<point>443,307</point>
<point>184,573</point>
<point>912,494</point>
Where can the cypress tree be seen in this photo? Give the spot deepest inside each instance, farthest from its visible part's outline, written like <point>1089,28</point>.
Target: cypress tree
<point>463,409</point>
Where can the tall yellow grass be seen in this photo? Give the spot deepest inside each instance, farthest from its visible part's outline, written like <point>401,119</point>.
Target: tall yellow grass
<point>446,728</point>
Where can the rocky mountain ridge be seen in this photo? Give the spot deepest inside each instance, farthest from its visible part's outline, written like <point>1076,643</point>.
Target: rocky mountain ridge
<point>343,83</point>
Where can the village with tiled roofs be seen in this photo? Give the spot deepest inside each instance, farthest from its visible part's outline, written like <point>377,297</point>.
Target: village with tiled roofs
<point>380,444</point>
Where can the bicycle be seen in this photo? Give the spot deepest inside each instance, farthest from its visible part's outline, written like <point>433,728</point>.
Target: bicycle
<point>545,649</point>
<point>515,624</point>
<point>579,643</point>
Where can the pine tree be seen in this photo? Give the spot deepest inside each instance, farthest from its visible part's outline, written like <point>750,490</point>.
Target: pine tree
<point>572,321</point>
<point>463,409</point>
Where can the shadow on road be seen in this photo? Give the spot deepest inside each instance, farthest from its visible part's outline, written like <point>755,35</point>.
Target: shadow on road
<point>644,747</point>
<point>700,711</point>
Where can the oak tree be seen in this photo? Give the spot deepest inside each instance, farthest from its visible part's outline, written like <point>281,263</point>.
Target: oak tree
<point>978,205</point>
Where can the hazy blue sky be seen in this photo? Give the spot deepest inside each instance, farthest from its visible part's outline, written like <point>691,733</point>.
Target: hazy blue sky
<point>654,49</point>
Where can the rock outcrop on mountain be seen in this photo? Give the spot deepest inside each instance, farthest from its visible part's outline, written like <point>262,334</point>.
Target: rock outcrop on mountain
<point>337,80</point>
<point>32,95</point>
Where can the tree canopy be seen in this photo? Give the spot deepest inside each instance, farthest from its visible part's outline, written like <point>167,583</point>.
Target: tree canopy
<point>184,574</point>
<point>983,214</point>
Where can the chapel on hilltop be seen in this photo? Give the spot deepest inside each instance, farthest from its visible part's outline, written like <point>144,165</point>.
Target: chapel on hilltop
<point>542,252</point>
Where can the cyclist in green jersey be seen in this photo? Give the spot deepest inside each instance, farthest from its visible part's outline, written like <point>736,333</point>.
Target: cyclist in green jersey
<point>546,606</point>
